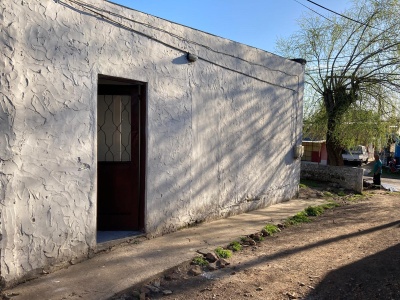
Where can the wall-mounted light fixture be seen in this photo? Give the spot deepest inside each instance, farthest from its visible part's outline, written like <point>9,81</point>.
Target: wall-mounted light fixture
<point>191,57</point>
<point>298,151</point>
<point>300,60</point>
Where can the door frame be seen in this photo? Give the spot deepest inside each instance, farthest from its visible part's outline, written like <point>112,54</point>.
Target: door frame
<point>103,80</point>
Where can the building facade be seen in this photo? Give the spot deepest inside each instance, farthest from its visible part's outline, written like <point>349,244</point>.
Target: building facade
<point>108,124</point>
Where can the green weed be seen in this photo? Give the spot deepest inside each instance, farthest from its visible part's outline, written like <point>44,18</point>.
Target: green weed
<point>328,194</point>
<point>355,198</point>
<point>298,218</point>
<point>200,261</point>
<point>314,211</point>
<point>330,205</point>
<point>271,229</point>
<point>235,246</point>
<point>223,253</point>
<point>259,238</point>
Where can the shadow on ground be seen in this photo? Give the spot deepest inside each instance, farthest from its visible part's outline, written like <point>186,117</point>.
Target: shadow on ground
<point>353,280</point>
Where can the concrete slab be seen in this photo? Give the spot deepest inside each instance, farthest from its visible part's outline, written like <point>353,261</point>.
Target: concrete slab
<point>109,273</point>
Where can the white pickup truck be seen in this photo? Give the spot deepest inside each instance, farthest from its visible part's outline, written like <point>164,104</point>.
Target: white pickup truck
<point>358,155</point>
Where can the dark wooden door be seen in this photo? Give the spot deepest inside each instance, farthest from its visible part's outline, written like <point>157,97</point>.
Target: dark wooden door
<point>118,184</point>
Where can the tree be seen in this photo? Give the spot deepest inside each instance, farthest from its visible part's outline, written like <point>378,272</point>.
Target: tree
<point>353,67</point>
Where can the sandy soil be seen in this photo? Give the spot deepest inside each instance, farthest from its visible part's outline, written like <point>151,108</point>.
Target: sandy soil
<point>349,252</point>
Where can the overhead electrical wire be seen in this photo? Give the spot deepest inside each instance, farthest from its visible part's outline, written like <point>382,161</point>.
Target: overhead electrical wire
<point>314,11</point>
<point>313,71</point>
<point>348,56</point>
<point>369,64</point>
<point>101,13</point>
<point>341,15</point>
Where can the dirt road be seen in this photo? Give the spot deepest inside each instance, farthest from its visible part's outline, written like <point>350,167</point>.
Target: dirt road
<point>349,252</point>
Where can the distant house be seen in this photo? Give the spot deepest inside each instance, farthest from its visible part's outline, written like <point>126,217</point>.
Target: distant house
<point>115,120</point>
<point>315,151</point>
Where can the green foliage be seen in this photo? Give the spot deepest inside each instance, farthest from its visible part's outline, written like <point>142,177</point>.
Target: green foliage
<point>259,238</point>
<point>358,197</point>
<point>302,186</point>
<point>359,126</point>
<point>271,229</point>
<point>235,246</point>
<point>330,205</point>
<point>223,253</point>
<point>200,261</point>
<point>314,123</point>
<point>328,194</point>
<point>298,218</point>
<point>352,79</point>
<point>314,211</point>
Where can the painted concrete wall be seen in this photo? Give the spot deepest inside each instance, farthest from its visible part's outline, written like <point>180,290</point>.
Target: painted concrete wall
<point>220,131</point>
<point>349,178</point>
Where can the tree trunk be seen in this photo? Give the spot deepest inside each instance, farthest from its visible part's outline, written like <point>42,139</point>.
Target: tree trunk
<point>333,146</point>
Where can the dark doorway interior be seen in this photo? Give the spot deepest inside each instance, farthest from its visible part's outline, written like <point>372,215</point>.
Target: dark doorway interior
<point>121,115</point>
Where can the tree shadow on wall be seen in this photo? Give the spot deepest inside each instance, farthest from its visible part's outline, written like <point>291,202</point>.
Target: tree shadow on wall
<point>375,277</point>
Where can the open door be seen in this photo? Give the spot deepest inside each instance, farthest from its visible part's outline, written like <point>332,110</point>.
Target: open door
<point>120,152</point>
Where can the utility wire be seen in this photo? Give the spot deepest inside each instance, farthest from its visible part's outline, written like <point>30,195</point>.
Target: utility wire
<point>348,56</point>
<point>314,11</point>
<point>101,12</point>
<point>343,16</point>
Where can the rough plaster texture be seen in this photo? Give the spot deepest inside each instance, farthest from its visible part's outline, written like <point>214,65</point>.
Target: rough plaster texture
<point>220,131</point>
<point>349,178</point>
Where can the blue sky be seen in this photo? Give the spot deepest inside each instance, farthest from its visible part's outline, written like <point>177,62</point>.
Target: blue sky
<point>257,23</point>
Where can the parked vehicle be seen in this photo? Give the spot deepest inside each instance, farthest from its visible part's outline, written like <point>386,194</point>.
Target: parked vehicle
<point>358,155</point>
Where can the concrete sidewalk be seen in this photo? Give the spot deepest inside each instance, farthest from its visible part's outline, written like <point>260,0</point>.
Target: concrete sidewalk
<point>109,273</point>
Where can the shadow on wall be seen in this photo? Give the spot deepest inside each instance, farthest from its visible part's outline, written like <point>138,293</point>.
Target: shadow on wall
<point>202,175</point>
<point>235,134</point>
<point>351,281</point>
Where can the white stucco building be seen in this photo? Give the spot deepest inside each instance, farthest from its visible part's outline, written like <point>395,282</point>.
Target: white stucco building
<point>106,125</point>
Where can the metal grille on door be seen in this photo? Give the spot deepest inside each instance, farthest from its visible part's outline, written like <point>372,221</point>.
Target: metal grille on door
<point>114,128</point>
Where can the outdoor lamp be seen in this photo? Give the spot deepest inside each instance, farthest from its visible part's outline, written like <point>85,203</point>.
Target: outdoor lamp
<point>298,151</point>
<point>191,57</point>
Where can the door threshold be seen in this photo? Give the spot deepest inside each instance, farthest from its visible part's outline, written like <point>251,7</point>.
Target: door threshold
<point>109,236</point>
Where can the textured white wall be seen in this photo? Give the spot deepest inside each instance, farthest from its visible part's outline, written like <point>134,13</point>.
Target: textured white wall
<point>220,131</point>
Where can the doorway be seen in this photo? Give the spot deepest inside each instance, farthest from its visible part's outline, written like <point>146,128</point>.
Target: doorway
<point>121,123</point>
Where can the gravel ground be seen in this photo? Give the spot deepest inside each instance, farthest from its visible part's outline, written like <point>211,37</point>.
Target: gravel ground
<point>348,252</point>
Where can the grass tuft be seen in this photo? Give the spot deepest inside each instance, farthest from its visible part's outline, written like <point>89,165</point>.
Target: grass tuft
<point>235,246</point>
<point>314,211</point>
<point>223,253</point>
<point>271,229</point>
<point>200,261</point>
<point>330,205</point>
<point>328,194</point>
<point>298,218</point>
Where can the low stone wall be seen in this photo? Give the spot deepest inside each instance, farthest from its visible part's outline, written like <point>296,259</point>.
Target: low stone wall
<point>349,178</point>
